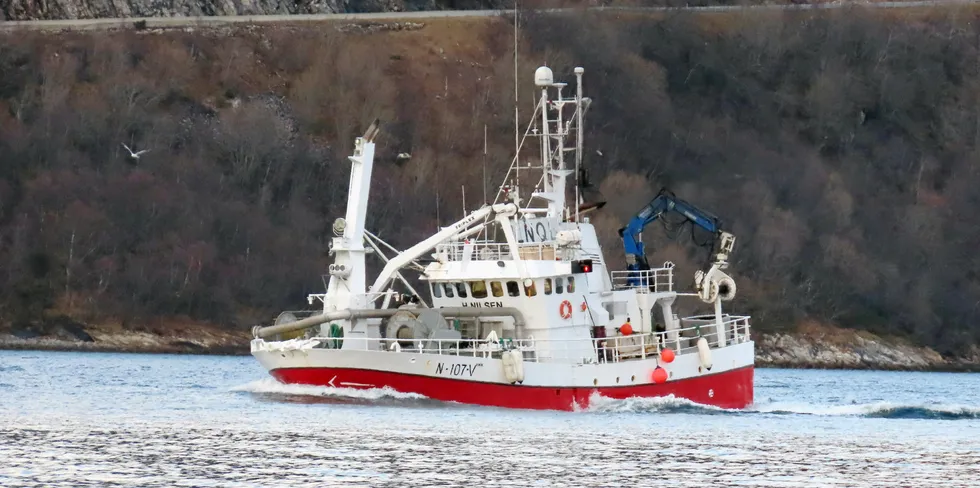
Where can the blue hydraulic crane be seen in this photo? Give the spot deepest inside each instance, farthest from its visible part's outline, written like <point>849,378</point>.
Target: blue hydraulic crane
<point>664,202</point>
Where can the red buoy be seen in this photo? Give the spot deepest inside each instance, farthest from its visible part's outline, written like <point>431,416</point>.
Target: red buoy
<point>626,329</point>
<point>659,375</point>
<point>667,355</point>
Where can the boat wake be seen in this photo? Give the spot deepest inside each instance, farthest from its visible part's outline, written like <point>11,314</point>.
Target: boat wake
<point>885,410</point>
<point>667,404</point>
<point>272,390</point>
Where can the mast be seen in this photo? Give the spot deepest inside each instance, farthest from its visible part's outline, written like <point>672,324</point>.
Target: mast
<point>554,133</point>
<point>517,119</point>
<point>579,136</point>
<point>347,274</point>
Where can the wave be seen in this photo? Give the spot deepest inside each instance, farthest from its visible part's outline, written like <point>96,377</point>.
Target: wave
<point>273,389</point>
<point>885,410</point>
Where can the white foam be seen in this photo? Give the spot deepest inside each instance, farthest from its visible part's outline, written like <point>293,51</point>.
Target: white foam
<point>599,403</point>
<point>271,385</point>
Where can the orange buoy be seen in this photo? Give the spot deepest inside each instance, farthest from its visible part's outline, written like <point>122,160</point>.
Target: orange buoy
<point>659,375</point>
<point>626,329</point>
<point>667,355</point>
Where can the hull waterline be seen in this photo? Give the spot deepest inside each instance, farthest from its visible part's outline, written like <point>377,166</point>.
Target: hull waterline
<point>730,389</point>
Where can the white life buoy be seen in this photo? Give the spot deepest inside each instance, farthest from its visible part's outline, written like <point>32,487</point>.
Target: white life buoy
<point>704,353</point>
<point>513,361</point>
<point>565,309</point>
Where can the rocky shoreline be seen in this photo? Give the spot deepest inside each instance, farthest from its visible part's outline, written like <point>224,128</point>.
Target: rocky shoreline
<point>825,347</point>
<point>811,348</point>
<point>185,340</point>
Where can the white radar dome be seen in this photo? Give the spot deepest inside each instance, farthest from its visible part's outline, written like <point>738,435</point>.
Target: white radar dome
<point>544,77</point>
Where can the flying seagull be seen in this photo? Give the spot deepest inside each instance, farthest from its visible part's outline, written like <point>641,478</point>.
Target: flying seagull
<point>402,158</point>
<point>135,155</point>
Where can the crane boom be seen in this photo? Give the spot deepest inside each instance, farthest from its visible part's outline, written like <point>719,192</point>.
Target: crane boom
<point>414,252</point>
<point>664,202</point>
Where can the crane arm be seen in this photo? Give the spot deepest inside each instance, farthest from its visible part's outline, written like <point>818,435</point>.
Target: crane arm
<point>416,251</point>
<point>665,202</point>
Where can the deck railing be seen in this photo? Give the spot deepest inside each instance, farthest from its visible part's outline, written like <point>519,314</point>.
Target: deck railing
<point>608,349</point>
<point>495,251</point>
<point>650,280</point>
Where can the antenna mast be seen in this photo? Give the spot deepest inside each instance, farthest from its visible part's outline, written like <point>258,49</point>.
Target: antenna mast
<point>555,131</point>
<point>517,120</point>
<point>578,136</point>
<point>484,163</point>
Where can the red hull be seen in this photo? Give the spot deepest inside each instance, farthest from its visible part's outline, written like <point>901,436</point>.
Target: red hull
<point>731,389</point>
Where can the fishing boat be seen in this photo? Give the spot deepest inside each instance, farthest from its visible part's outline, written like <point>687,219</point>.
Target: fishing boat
<point>520,308</point>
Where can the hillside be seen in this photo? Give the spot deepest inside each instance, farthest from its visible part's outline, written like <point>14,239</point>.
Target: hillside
<point>840,148</point>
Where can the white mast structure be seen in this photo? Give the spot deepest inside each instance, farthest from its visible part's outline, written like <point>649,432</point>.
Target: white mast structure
<point>554,130</point>
<point>347,274</point>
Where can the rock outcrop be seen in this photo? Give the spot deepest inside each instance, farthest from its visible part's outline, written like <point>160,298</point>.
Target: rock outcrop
<point>94,9</point>
<point>834,348</point>
<point>73,9</point>
<point>190,339</point>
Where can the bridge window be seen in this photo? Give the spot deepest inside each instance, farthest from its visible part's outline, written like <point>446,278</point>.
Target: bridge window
<point>479,289</point>
<point>449,289</point>
<point>530,290</point>
<point>547,286</point>
<point>437,290</point>
<point>571,284</point>
<point>497,289</point>
<point>461,288</point>
<point>513,289</point>
<point>559,286</point>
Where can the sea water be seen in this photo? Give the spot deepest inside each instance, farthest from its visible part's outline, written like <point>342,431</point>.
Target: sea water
<point>92,419</point>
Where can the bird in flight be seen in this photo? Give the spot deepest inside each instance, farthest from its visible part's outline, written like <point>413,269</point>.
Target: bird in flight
<point>135,155</point>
